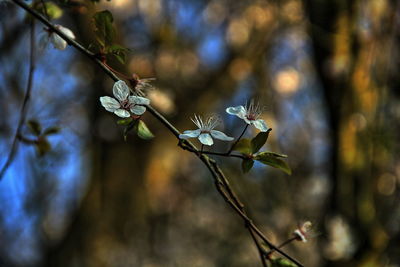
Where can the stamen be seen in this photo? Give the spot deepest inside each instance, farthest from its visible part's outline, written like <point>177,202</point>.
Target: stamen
<point>253,111</point>
<point>198,121</point>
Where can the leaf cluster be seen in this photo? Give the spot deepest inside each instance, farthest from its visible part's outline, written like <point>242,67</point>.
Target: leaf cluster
<point>250,148</point>
<point>137,126</point>
<point>105,35</point>
<point>40,141</point>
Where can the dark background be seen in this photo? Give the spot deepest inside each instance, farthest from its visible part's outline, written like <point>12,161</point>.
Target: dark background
<point>326,73</point>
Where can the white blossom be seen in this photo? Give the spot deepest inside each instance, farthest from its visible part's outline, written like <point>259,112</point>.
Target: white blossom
<point>205,132</point>
<point>124,104</point>
<point>57,41</point>
<point>250,114</point>
<point>302,232</point>
<point>142,85</point>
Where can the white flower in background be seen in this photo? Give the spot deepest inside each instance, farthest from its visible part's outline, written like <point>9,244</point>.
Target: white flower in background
<point>141,85</point>
<point>250,115</point>
<point>123,103</point>
<point>206,131</point>
<point>55,39</point>
<point>303,231</point>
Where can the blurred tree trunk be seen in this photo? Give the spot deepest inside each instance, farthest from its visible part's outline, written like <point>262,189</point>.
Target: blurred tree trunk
<point>348,63</point>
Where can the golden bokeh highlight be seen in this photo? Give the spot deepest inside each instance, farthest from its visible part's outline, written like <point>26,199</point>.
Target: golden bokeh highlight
<point>166,63</point>
<point>238,32</point>
<point>287,81</point>
<point>150,8</point>
<point>259,16</point>
<point>161,100</point>
<point>292,11</point>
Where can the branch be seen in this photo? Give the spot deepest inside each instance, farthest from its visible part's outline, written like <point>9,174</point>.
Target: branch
<point>220,180</point>
<point>24,108</point>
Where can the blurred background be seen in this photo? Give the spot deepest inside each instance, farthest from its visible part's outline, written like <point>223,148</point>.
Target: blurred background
<point>326,73</point>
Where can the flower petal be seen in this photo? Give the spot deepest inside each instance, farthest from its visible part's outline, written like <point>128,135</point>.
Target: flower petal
<point>66,31</point>
<point>122,113</point>
<point>220,135</point>
<point>138,110</point>
<point>261,125</point>
<point>190,134</point>
<point>206,139</point>
<point>44,40</point>
<point>138,100</point>
<point>109,103</point>
<point>121,90</point>
<point>57,41</point>
<point>239,111</point>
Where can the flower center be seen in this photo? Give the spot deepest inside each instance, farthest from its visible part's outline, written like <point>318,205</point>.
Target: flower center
<point>253,111</point>
<point>251,117</point>
<point>125,104</point>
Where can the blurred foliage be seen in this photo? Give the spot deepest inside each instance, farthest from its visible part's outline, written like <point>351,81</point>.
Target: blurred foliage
<point>326,72</point>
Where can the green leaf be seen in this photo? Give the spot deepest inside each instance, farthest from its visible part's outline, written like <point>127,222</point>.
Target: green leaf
<point>142,131</point>
<point>42,146</point>
<point>117,48</point>
<point>105,32</point>
<point>247,164</point>
<point>272,160</point>
<point>280,262</point>
<point>124,121</point>
<point>120,58</point>
<point>35,127</point>
<point>53,10</point>
<point>258,141</point>
<point>243,146</point>
<point>277,155</point>
<point>52,130</point>
<point>119,52</point>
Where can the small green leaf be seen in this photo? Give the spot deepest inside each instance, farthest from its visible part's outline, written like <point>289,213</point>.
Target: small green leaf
<point>142,131</point>
<point>120,58</point>
<point>119,52</point>
<point>258,141</point>
<point>272,160</point>
<point>280,262</point>
<point>42,146</point>
<point>243,146</point>
<point>35,127</point>
<point>105,32</point>
<point>277,155</point>
<point>52,10</point>
<point>117,48</point>
<point>124,121</point>
<point>247,164</point>
<point>52,130</point>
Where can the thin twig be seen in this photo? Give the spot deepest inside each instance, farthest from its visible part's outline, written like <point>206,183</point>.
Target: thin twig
<point>290,240</point>
<point>261,250</point>
<point>233,195</point>
<point>24,108</point>
<point>237,141</point>
<point>217,174</point>
<point>45,9</point>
